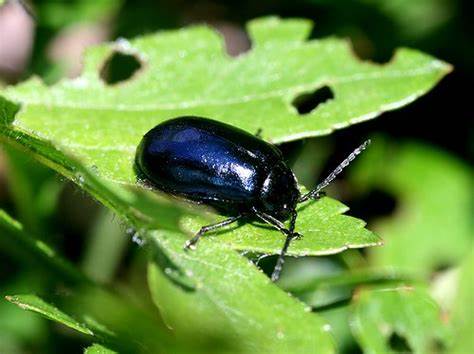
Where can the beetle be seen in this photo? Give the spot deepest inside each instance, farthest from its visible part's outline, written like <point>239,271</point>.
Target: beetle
<point>229,169</point>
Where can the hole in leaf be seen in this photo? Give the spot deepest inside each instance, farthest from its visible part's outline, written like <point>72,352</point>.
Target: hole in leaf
<point>399,344</point>
<point>308,102</point>
<point>119,67</point>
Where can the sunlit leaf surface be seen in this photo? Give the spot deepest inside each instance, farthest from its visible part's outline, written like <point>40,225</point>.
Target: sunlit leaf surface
<point>98,349</point>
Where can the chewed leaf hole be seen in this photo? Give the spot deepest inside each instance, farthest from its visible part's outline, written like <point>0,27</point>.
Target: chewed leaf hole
<point>399,344</point>
<point>119,67</point>
<point>308,102</point>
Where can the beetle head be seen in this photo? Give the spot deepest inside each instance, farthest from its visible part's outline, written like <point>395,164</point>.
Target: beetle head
<point>279,194</point>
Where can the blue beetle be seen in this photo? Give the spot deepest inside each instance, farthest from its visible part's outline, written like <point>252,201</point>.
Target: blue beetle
<point>238,174</point>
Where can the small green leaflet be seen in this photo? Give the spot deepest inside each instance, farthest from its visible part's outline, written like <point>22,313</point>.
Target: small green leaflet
<point>36,304</point>
<point>382,313</point>
<point>98,349</point>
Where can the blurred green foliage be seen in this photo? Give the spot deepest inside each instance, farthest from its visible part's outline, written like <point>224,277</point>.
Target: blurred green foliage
<point>433,206</point>
<point>398,319</point>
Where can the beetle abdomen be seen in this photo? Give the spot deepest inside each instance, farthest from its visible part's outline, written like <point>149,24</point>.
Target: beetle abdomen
<point>204,160</point>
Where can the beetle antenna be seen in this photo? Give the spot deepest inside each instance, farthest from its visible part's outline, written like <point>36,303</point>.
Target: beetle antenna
<point>316,192</point>
<point>284,250</point>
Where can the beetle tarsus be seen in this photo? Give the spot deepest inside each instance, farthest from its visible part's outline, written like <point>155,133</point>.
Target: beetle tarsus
<point>297,236</point>
<point>191,243</point>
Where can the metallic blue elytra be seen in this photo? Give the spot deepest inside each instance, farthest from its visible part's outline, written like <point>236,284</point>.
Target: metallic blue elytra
<point>237,173</point>
<point>219,165</point>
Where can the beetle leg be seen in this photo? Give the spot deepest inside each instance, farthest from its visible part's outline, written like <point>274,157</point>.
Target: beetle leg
<point>273,221</point>
<point>289,233</point>
<point>191,243</point>
<point>258,133</point>
<point>281,258</point>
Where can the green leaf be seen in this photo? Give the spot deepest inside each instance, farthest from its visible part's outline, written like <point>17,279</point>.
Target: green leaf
<point>431,226</point>
<point>98,307</point>
<point>189,312</point>
<point>123,321</point>
<point>428,15</point>
<point>12,231</point>
<point>88,132</point>
<point>186,72</point>
<point>462,317</point>
<point>58,15</point>
<point>387,320</point>
<point>90,326</point>
<point>324,232</point>
<point>33,188</point>
<point>350,279</point>
<point>16,326</point>
<point>105,248</point>
<point>36,304</point>
<point>98,349</point>
<point>222,285</point>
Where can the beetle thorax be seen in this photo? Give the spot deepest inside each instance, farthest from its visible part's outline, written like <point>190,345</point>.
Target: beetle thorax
<point>279,194</point>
